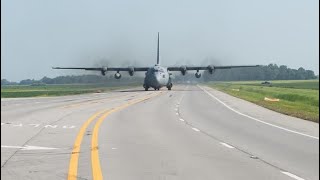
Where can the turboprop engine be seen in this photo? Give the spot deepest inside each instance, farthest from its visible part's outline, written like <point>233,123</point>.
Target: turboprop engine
<point>117,75</point>
<point>183,70</point>
<point>104,71</point>
<point>197,74</point>
<point>211,69</point>
<point>131,71</point>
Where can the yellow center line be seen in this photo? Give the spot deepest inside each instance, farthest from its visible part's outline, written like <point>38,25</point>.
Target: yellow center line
<point>74,159</point>
<point>95,161</point>
<point>73,165</point>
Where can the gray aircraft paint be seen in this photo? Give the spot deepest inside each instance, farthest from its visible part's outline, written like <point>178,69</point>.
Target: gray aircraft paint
<point>157,77</point>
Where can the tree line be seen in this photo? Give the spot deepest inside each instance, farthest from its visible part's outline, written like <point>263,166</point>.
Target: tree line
<point>265,73</point>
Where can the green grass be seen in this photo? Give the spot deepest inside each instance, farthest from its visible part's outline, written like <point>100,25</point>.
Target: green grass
<point>295,84</point>
<point>56,90</point>
<point>297,98</point>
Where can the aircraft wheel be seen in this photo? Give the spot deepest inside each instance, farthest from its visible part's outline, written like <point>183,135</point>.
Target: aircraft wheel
<point>146,88</point>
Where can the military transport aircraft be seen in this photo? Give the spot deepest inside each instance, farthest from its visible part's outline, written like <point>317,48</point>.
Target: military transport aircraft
<point>156,76</point>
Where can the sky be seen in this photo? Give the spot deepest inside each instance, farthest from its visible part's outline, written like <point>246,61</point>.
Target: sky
<point>39,34</point>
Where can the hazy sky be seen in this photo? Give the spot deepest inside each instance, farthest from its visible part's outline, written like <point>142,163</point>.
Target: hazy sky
<point>39,34</point>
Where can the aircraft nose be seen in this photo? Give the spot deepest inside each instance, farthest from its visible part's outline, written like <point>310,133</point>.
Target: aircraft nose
<point>157,79</point>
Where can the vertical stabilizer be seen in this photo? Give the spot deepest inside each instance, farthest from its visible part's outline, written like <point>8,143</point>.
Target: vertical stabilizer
<point>158,60</point>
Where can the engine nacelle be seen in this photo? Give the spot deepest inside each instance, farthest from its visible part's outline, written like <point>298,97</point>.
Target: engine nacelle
<point>183,70</point>
<point>117,75</point>
<point>211,69</point>
<point>131,71</point>
<point>197,74</point>
<point>104,71</point>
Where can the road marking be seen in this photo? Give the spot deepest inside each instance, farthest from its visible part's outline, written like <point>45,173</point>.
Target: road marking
<point>263,122</point>
<point>181,119</point>
<point>226,145</point>
<point>52,126</point>
<point>74,159</point>
<point>47,126</point>
<point>35,125</point>
<point>95,160</point>
<point>68,127</point>
<point>176,109</point>
<point>26,147</point>
<point>114,148</point>
<point>73,164</point>
<point>177,114</point>
<point>292,175</point>
<point>195,129</point>
<point>18,125</point>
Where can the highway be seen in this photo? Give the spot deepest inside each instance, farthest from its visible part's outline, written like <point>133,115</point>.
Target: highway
<point>192,132</point>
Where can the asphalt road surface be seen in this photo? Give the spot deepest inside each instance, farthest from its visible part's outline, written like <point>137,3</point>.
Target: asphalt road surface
<point>192,132</point>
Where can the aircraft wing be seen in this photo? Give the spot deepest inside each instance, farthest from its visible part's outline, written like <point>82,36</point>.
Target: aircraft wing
<point>210,68</point>
<point>103,70</point>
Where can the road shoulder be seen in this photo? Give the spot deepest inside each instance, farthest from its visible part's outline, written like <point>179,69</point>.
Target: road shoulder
<point>266,115</point>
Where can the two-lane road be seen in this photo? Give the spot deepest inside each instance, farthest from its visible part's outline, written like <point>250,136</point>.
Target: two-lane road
<point>190,132</point>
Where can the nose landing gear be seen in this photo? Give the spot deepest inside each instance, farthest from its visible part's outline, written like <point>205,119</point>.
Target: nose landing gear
<point>146,88</point>
<point>169,86</point>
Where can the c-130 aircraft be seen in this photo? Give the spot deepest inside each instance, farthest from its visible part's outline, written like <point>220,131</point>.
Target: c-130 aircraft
<point>156,76</point>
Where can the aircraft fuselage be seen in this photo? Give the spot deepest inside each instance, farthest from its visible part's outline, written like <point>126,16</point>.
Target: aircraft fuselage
<point>157,77</point>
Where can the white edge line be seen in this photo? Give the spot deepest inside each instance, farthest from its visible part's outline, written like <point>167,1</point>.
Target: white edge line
<point>279,127</point>
<point>181,119</point>
<point>226,145</point>
<point>16,147</point>
<point>292,175</point>
<point>195,129</point>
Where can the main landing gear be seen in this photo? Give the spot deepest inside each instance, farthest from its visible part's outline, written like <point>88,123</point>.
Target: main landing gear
<point>169,86</point>
<point>146,88</point>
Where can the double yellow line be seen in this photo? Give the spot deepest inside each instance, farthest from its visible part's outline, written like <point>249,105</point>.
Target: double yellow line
<point>95,161</point>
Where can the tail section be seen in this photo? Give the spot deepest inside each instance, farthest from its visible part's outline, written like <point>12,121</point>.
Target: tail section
<point>158,60</point>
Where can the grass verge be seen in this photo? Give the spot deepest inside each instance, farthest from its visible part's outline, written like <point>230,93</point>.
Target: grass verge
<point>297,98</point>
<point>56,90</point>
